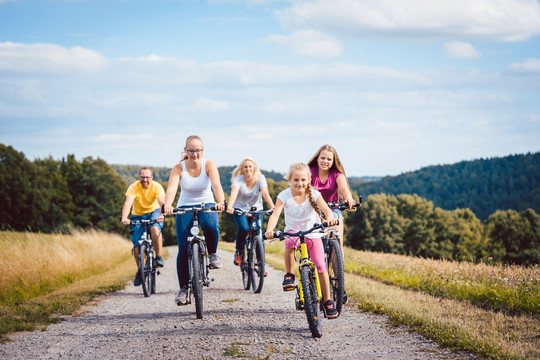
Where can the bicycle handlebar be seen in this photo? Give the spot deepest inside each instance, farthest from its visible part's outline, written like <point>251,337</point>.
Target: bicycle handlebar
<point>344,206</point>
<point>282,234</point>
<point>198,208</point>
<point>241,212</point>
<point>143,221</point>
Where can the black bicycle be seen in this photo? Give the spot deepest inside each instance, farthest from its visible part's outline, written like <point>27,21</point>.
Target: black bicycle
<point>334,258</point>
<point>147,259</point>
<point>198,264</point>
<point>252,265</point>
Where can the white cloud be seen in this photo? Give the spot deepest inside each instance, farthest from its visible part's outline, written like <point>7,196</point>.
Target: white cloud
<point>310,43</point>
<point>48,58</point>
<point>461,50</point>
<point>489,20</point>
<point>531,65</point>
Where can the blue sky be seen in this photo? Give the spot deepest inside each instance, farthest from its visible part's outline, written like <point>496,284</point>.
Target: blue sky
<point>394,85</point>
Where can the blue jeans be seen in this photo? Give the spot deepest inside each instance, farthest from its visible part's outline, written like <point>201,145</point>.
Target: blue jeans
<point>136,231</point>
<point>242,222</point>
<point>209,223</point>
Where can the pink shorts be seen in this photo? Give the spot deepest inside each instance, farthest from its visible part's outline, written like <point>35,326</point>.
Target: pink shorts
<point>315,249</point>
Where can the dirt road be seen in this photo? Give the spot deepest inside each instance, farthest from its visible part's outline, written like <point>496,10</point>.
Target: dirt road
<point>126,325</point>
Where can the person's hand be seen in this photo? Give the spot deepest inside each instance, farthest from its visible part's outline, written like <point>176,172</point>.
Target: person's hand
<point>167,210</point>
<point>331,222</point>
<point>125,221</point>
<point>160,218</point>
<point>220,206</point>
<point>269,235</point>
<point>230,210</point>
<point>350,202</point>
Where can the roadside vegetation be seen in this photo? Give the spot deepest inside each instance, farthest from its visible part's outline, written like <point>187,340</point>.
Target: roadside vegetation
<point>490,310</point>
<point>43,276</point>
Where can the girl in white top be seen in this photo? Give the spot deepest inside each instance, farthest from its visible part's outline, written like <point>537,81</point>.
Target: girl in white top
<point>247,190</point>
<point>303,206</point>
<point>197,178</point>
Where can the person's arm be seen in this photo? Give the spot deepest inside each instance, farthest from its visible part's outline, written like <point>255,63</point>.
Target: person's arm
<point>232,199</point>
<point>344,191</point>
<point>172,187</point>
<point>161,201</point>
<point>273,219</point>
<point>267,197</point>
<point>213,174</point>
<point>126,209</point>
<point>329,216</point>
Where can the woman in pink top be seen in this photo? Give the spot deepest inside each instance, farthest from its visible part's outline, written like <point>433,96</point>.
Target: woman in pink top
<point>328,177</point>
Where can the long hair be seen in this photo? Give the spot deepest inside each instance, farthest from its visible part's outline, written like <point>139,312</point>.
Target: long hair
<point>303,167</point>
<point>189,138</point>
<point>336,164</point>
<point>239,170</point>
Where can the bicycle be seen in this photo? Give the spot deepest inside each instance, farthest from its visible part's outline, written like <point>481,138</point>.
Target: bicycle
<point>308,290</point>
<point>198,264</point>
<point>334,259</point>
<point>147,259</point>
<point>253,260</point>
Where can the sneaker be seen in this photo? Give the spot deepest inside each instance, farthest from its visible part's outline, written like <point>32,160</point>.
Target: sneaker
<point>137,281</point>
<point>159,262</point>
<point>181,298</point>
<point>330,309</point>
<point>288,282</point>
<point>265,274</point>
<point>215,261</point>
<point>237,258</point>
<point>345,298</point>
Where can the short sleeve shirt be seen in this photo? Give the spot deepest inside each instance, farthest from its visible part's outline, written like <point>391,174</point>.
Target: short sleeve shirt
<point>145,199</point>
<point>299,217</point>
<point>248,197</point>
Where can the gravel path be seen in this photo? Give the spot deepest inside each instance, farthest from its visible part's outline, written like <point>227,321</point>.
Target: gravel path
<point>126,325</point>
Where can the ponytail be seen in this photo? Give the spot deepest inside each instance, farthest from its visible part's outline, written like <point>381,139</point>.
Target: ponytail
<point>313,203</point>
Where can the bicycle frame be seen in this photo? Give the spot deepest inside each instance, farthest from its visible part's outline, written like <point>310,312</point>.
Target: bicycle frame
<point>305,260</point>
<point>145,242</point>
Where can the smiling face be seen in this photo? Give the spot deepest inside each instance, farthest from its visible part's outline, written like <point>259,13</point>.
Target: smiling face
<point>194,149</point>
<point>325,160</point>
<point>248,168</point>
<point>145,176</point>
<point>299,181</point>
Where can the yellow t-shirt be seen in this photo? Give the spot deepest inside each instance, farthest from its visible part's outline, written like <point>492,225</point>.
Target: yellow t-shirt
<point>145,199</point>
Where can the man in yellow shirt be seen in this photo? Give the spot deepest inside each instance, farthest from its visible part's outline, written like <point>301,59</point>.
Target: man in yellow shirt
<point>146,196</point>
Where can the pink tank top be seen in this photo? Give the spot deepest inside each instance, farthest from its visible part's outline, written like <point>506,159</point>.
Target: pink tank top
<point>329,189</point>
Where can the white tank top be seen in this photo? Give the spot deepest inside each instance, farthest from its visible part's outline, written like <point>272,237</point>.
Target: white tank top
<point>195,190</point>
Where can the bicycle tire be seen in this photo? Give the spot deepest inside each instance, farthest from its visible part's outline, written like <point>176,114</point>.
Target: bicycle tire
<point>245,265</point>
<point>311,301</point>
<point>144,276</point>
<point>197,278</point>
<point>257,264</point>
<point>153,271</point>
<point>336,273</point>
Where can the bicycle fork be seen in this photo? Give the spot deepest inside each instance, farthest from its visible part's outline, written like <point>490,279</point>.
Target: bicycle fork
<point>300,302</point>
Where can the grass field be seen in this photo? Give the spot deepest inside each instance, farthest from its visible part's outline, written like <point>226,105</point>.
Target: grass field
<point>492,311</point>
<point>43,276</point>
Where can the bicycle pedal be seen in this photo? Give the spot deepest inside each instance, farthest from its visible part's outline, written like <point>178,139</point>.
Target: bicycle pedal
<point>157,272</point>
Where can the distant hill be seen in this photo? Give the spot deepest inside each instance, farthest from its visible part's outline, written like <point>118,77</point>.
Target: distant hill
<point>161,174</point>
<point>484,185</point>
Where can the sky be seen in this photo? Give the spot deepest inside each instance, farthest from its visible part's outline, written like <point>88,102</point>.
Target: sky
<point>393,85</point>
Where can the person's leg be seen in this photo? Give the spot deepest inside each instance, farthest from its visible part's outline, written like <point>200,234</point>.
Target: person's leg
<point>183,225</point>
<point>243,229</point>
<point>316,253</point>
<point>210,226</point>
<point>155,233</point>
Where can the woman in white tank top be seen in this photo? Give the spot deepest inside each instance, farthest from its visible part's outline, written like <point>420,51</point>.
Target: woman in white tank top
<point>197,178</point>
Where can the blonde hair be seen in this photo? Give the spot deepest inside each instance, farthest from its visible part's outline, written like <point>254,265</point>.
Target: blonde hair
<point>239,170</point>
<point>303,167</point>
<point>189,138</point>
<point>336,164</point>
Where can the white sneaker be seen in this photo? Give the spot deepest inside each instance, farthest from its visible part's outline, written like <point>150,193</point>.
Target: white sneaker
<point>215,261</point>
<point>181,298</point>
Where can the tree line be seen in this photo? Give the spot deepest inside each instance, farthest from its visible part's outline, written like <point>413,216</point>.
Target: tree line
<point>484,185</point>
<point>50,195</point>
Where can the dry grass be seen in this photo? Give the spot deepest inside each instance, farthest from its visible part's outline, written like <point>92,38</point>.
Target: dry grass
<point>42,276</point>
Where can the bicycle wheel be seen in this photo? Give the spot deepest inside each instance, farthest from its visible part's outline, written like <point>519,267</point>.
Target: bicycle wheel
<point>142,270</point>
<point>153,271</point>
<point>311,301</point>
<point>336,273</point>
<point>244,265</point>
<point>257,264</point>
<point>197,278</point>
